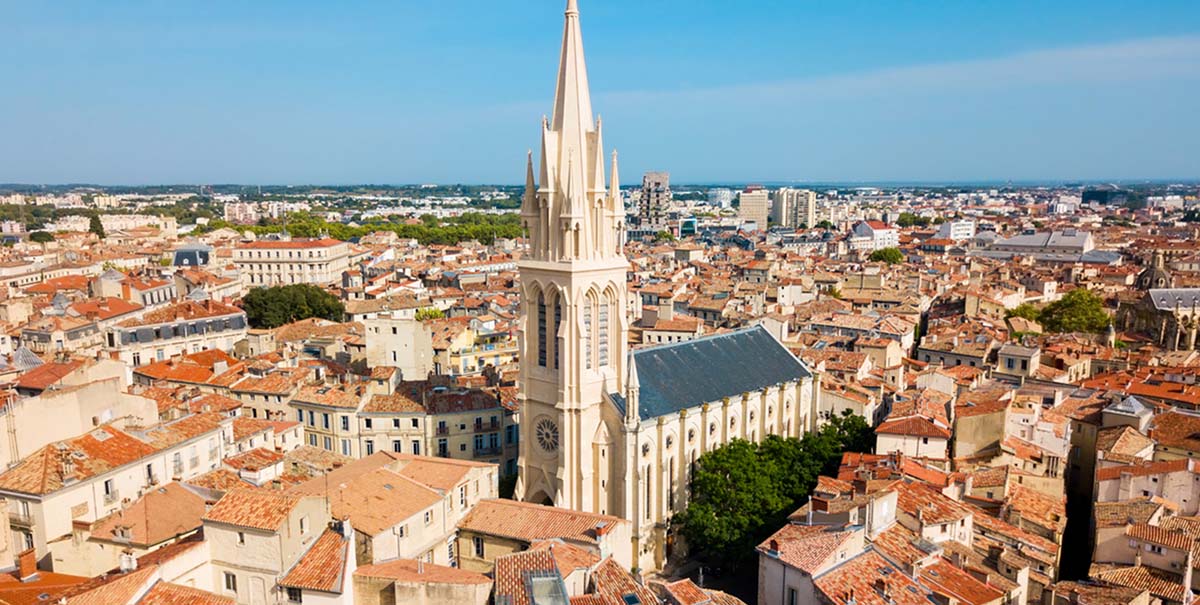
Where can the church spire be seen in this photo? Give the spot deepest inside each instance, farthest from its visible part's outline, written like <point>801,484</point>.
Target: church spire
<point>572,100</point>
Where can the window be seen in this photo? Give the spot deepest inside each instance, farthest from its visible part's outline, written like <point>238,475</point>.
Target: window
<point>557,323</point>
<point>367,422</point>
<point>602,332</point>
<point>541,327</point>
<point>395,423</point>
<point>300,416</point>
<point>345,423</point>
<point>345,447</point>
<point>416,424</point>
<point>241,538</point>
<point>325,421</point>
<point>312,419</point>
<point>791,596</point>
<point>304,524</point>
<point>416,447</point>
<point>328,444</point>
<point>230,583</point>
<point>397,446</point>
<point>462,496</point>
<point>428,517</point>
<point>370,447</point>
<point>312,439</point>
<point>478,543</point>
<point>587,332</point>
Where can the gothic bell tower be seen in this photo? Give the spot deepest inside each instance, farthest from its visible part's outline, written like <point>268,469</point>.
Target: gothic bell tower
<point>573,314</point>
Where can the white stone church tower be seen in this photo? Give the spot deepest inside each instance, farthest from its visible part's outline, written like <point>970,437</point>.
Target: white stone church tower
<point>573,344</point>
<point>603,430</point>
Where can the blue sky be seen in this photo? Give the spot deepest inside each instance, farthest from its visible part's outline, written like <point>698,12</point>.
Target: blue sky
<point>298,91</point>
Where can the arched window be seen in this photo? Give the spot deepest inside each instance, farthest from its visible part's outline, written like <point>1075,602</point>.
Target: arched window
<point>602,328</point>
<point>541,329</point>
<point>557,323</point>
<point>589,302</point>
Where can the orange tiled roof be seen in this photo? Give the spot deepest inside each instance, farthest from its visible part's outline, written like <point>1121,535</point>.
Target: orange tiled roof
<point>166,593</point>
<point>148,522</point>
<point>408,570</point>
<point>529,522</point>
<point>97,452</point>
<point>257,509</point>
<point>322,567</point>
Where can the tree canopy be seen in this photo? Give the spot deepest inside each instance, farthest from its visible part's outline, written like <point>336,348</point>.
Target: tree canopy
<point>891,256</point>
<point>96,226</point>
<point>41,237</point>
<point>279,305</point>
<point>742,491</point>
<point>1079,310</point>
<point>429,313</point>
<point>908,219</point>
<point>484,228</point>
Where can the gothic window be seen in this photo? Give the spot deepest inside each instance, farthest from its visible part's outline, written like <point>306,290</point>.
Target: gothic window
<point>557,323</point>
<point>602,339</point>
<point>691,435</point>
<point>649,502</point>
<point>670,441</point>
<point>541,327</point>
<point>587,331</point>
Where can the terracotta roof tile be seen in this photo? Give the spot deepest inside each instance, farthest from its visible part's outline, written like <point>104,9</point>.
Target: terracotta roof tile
<point>529,522</point>
<point>320,568</point>
<point>257,509</point>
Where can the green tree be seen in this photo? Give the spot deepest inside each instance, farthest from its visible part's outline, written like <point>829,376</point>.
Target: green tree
<point>96,226</point>
<point>826,225</point>
<point>891,256</point>
<point>41,237</point>
<point>429,313</point>
<point>908,219</point>
<point>742,492</point>
<point>1025,311</point>
<point>279,305</point>
<point>664,236</point>
<point>1079,310</point>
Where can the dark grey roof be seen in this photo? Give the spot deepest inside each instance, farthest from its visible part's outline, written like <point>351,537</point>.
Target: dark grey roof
<point>1168,299</point>
<point>24,359</point>
<point>686,374</point>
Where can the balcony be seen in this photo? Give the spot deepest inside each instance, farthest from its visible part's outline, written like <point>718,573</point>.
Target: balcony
<point>443,430</point>
<point>493,450</point>
<point>492,426</point>
<point>111,497</point>
<point>19,518</point>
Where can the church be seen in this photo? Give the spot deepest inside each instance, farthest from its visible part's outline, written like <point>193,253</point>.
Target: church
<point>605,429</point>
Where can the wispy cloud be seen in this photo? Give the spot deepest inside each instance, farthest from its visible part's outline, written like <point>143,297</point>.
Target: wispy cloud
<point>1117,63</point>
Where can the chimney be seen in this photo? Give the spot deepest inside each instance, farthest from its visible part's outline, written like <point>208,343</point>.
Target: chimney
<point>128,561</point>
<point>27,565</point>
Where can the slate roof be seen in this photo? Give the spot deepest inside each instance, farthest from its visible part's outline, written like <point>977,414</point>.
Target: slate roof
<point>687,374</point>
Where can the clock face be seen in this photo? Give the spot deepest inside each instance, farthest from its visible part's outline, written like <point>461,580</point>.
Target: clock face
<point>547,434</point>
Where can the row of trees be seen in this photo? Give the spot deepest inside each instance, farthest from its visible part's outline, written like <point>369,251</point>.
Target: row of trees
<point>742,491</point>
<point>1079,310</point>
<point>470,226</point>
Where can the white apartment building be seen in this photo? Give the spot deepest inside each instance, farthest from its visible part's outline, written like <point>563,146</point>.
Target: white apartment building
<point>178,329</point>
<point>794,207</point>
<point>874,235</point>
<point>298,261</point>
<point>754,205</point>
<point>957,230</point>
